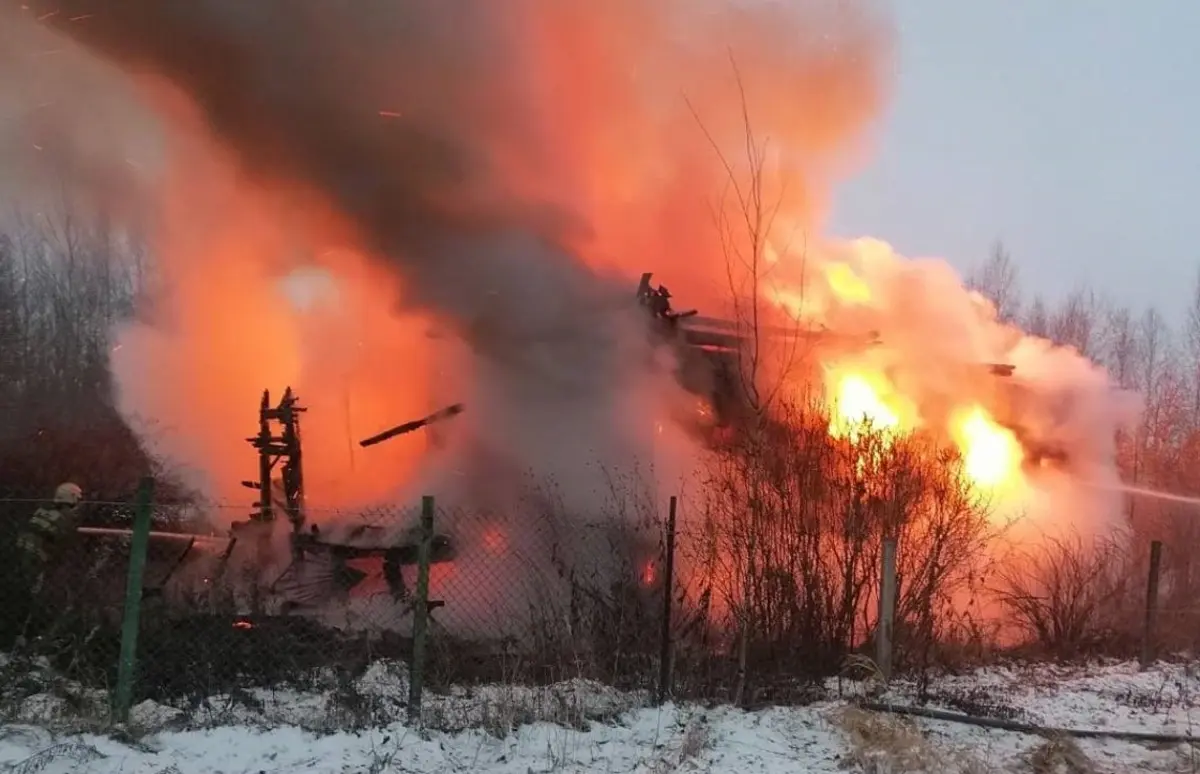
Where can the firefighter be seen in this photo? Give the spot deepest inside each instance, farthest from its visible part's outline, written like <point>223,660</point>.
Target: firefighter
<point>42,541</point>
<point>660,303</point>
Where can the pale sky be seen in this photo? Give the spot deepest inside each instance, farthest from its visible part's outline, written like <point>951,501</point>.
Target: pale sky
<point>1070,129</point>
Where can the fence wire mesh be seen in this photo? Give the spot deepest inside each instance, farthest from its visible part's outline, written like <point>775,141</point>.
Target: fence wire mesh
<point>230,605</point>
<point>234,611</point>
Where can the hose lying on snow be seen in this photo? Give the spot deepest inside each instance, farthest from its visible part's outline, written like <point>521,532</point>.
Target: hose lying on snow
<point>1026,728</point>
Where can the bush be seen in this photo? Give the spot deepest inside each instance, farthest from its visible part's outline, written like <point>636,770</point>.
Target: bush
<point>1069,597</point>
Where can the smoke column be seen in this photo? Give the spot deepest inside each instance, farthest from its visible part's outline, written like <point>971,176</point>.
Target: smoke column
<point>936,340</point>
<point>481,151</point>
<point>483,182</point>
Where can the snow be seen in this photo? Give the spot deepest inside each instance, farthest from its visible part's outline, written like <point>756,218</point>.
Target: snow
<point>646,740</point>
<point>580,726</point>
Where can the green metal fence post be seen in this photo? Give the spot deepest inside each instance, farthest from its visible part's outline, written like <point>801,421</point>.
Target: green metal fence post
<point>416,674</point>
<point>664,658</point>
<point>133,601</point>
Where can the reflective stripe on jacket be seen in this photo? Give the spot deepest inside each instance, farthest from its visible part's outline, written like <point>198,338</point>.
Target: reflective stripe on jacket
<point>50,523</point>
<point>47,528</point>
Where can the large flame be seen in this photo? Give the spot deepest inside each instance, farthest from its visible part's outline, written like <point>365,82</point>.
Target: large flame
<point>846,284</point>
<point>907,381</point>
<point>992,455</point>
<point>863,401</point>
<point>858,405</point>
<point>926,366</point>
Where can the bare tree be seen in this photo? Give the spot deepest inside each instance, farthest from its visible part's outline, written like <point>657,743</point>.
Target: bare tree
<point>1153,338</point>
<point>745,217</point>
<point>1074,323</point>
<point>1192,339</point>
<point>1154,335</point>
<point>65,283</point>
<point>998,281</point>
<point>1037,318</point>
<point>1121,351</point>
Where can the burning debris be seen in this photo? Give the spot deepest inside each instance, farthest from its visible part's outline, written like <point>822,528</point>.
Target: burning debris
<point>320,570</point>
<point>417,424</point>
<point>995,442</point>
<point>323,561</point>
<point>322,556</point>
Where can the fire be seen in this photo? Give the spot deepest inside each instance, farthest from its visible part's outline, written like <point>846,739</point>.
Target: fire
<point>256,181</point>
<point>865,399</point>
<point>846,284</point>
<point>649,573</point>
<point>843,286</point>
<point>992,455</point>
<point>326,326</point>
<point>858,404</point>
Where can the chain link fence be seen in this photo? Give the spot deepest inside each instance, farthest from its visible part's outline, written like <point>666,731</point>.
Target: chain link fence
<point>370,616</point>
<point>225,605</point>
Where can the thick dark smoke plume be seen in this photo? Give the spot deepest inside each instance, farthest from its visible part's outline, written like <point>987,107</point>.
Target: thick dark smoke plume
<point>475,145</point>
<point>394,111</point>
<point>413,122</point>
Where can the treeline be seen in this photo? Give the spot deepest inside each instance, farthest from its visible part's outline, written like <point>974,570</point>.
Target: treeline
<point>1142,352</point>
<point>65,284</point>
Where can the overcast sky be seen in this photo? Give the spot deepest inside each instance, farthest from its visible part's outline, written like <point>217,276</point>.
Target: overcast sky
<point>1070,129</point>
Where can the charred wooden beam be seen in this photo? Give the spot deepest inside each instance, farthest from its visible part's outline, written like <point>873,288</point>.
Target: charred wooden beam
<point>416,424</point>
<point>716,334</point>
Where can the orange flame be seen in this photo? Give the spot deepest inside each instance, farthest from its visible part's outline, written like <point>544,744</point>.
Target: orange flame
<point>649,573</point>
<point>992,455</point>
<point>846,284</point>
<point>860,403</point>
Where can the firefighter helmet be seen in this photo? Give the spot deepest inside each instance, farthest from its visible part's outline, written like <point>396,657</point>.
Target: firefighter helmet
<point>68,494</point>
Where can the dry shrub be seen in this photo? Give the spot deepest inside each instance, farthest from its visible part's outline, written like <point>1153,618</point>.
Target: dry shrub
<point>1060,755</point>
<point>791,547</point>
<point>882,743</point>
<point>1069,597</point>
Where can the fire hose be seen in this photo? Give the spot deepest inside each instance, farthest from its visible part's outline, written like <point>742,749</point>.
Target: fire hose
<point>182,537</point>
<point>1027,728</point>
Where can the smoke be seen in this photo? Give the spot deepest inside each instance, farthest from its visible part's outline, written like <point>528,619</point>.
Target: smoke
<point>936,343</point>
<point>511,166</point>
<point>68,122</point>
<point>394,206</point>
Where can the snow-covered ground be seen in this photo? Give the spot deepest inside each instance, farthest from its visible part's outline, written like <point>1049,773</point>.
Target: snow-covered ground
<point>583,727</point>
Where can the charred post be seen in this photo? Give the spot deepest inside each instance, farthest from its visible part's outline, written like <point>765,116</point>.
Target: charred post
<point>288,415</point>
<point>1148,625</point>
<point>887,609</point>
<point>274,449</point>
<point>262,443</point>
<point>420,612</point>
